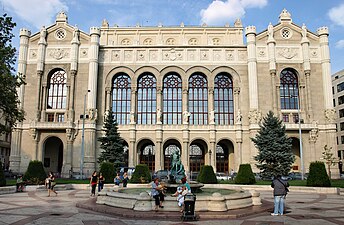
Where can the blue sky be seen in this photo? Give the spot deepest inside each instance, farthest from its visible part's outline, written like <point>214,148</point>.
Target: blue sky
<point>32,14</point>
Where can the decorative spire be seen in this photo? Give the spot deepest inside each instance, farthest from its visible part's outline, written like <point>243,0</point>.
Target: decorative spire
<point>61,17</point>
<point>238,23</point>
<point>285,16</point>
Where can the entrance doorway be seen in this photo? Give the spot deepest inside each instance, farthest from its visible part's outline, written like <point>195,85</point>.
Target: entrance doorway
<point>53,155</point>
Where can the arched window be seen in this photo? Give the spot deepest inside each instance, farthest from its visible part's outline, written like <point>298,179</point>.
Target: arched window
<point>146,99</point>
<point>221,159</point>
<point>223,99</point>
<point>57,90</point>
<point>121,96</point>
<point>148,157</point>
<point>198,99</point>
<point>196,158</point>
<point>289,91</point>
<point>172,99</point>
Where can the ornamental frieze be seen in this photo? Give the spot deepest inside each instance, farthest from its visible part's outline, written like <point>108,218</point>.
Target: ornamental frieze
<point>287,53</point>
<point>59,53</point>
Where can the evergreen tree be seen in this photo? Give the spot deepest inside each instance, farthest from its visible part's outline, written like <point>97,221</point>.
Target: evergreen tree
<point>111,143</point>
<point>9,111</point>
<point>274,148</point>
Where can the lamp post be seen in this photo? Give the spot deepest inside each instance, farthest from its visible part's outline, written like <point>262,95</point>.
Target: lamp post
<point>83,139</point>
<point>300,137</point>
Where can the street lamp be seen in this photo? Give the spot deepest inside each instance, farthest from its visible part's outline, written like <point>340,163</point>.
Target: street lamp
<point>300,136</point>
<point>83,139</point>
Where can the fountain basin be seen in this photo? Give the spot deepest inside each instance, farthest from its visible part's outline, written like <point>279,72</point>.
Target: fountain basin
<point>215,202</point>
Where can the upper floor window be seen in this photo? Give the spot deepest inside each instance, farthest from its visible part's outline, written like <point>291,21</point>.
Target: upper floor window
<point>172,99</point>
<point>57,90</point>
<point>340,100</point>
<point>289,91</point>
<point>340,87</point>
<point>223,99</point>
<point>198,99</point>
<point>146,99</point>
<point>121,96</point>
<point>341,113</point>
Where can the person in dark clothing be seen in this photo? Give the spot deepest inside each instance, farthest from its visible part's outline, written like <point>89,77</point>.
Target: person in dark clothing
<point>280,191</point>
<point>93,183</point>
<point>101,181</point>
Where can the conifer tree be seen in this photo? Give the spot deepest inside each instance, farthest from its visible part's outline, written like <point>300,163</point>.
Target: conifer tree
<point>111,143</point>
<point>274,148</point>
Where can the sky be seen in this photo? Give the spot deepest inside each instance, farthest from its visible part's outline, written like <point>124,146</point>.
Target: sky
<point>33,14</point>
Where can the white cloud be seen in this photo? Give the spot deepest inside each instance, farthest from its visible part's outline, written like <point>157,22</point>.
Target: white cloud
<point>336,14</point>
<point>36,12</point>
<point>340,44</point>
<point>220,12</point>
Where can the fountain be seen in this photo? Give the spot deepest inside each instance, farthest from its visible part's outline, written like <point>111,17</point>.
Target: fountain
<point>137,196</point>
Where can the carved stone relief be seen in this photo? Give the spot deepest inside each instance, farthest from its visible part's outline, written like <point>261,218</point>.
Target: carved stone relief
<point>217,55</point>
<point>255,116</point>
<point>229,55</point>
<point>83,53</point>
<point>204,55</point>
<point>59,53</point>
<point>170,41</point>
<point>191,55</point>
<point>128,55</point>
<point>216,41</point>
<point>193,41</point>
<point>153,55</point>
<point>330,115</point>
<point>242,55</point>
<point>148,41</point>
<point>261,52</point>
<point>126,41</point>
<point>115,55</point>
<point>33,54</point>
<point>141,55</point>
<point>172,55</point>
<point>314,52</point>
<point>287,53</point>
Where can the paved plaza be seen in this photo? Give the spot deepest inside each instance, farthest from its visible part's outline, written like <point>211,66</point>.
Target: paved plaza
<point>34,207</point>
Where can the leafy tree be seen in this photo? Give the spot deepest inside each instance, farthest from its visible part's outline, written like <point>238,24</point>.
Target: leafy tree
<point>330,160</point>
<point>274,148</point>
<point>9,111</point>
<point>111,143</point>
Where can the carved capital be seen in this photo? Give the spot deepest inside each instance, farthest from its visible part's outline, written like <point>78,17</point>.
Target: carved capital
<point>255,116</point>
<point>313,135</point>
<point>185,91</point>
<point>211,90</point>
<point>34,133</point>
<point>330,115</point>
<point>71,134</point>
<point>236,90</point>
<point>108,89</point>
<point>39,73</point>
<point>73,73</point>
<point>93,114</point>
<point>159,90</point>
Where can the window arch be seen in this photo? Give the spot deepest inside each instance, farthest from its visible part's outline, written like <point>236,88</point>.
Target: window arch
<point>57,90</point>
<point>196,158</point>
<point>172,99</point>
<point>198,99</point>
<point>289,92</point>
<point>121,98</point>
<point>223,99</point>
<point>221,159</point>
<point>146,99</point>
<point>148,156</point>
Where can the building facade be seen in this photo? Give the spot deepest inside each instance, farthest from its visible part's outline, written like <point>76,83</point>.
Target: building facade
<point>201,91</point>
<point>338,102</point>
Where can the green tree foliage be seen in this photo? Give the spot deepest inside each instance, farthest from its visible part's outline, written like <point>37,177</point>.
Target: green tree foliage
<point>330,160</point>
<point>2,176</point>
<point>9,111</point>
<point>141,174</point>
<point>274,148</point>
<point>111,143</point>
<point>35,173</point>
<point>245,175</point>
<point>108,171</point>
<point>317,175</point>
<point>207,175</point>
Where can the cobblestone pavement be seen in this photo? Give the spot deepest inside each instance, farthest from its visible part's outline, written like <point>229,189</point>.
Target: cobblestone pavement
<point>37,208</point>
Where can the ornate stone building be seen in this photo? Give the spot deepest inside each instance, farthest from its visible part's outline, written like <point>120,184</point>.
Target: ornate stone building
<point>199,90</point>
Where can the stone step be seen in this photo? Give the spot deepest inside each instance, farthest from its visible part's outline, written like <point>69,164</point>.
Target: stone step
<point>341,191</point>
<point>59,187</point>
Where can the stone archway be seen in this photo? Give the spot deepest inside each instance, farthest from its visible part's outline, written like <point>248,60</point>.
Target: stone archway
<point>169,147</point>
<point>225,160</point>
<point>146,150</point>
<point>53,155</point>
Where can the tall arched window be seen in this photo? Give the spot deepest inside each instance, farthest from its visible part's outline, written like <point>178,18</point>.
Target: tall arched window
<point>196,158</point>
<point>172,99</point>
<point>121,96</point>
<point>198,99</point>
<point>223,99</point>
<point>57,93</point>
<point>289,91</point>
<point>221,159</point>
<point>146,99</point>
<point>148,157</point>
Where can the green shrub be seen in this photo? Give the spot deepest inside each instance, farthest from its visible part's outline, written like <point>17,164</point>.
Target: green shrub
<point>317,175</point>
<point>2,176</point>
<point>207,175</point>
<point>35,173</point>
<point>245,175</point>
<point>108,171</point>
<point>141,174</point>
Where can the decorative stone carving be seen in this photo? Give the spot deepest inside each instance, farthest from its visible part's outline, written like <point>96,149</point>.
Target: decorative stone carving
<point>125,41</point>
<point>115,55</point>
<point>70,134</point>
<point>42,36</point>
<point>230,55</point>
<point>288,53</point>
<point>33,54</point>
<point>313,134</point>
<point>261,52</point>
<point>212,117</point>
<point>93,114</point>
<point>128,55</point>
<point>216,41</point>
<point>238,117</point>
<point>270,32</point>
<point>170,41</point>
<point>236,90</point>
<point>153,55</point>
<point>238,23</point>
<point>148,41</point>
<point>304,31</point>
<point>173,55</point>
<point>330,115</point>
<point>186,116</point>
<point>314,53</point>
<point>242,55</point>
<point>59,53</point>
<point>34,133</point>
<point>141,55</point>
<point>60,34</point>
<point>76,34</point>
<point>193,41</point>
<point>132,117</point>
<point>255,116</point>
<point>84,52</point>
<point>204,55</point>
<point>158,116</point>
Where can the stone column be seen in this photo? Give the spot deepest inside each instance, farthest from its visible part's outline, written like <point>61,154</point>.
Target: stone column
<point>68,154</point>
<point>44,100</point>
<point>133,106</point>
<point>252,67</point>
<point>272,65</point>
<point>159,154</point>
<point>307,70</point>
<point>22,62</point>
<point>186,132</point>
<point>309,96</point>
<point>159,118</point>
<point>132,152</point>
<point>108,105</point>
<point>42,43</point>
<point>71,116</point>
<point>15,157</point>
<point>93,71</point>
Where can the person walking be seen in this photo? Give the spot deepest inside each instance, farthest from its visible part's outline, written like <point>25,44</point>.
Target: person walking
<point>157,194</point>
<point>51,184</point>
<point>125,179</point>
<point>93,183</point>
<point>280,191</point>
<point>101,181</point>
